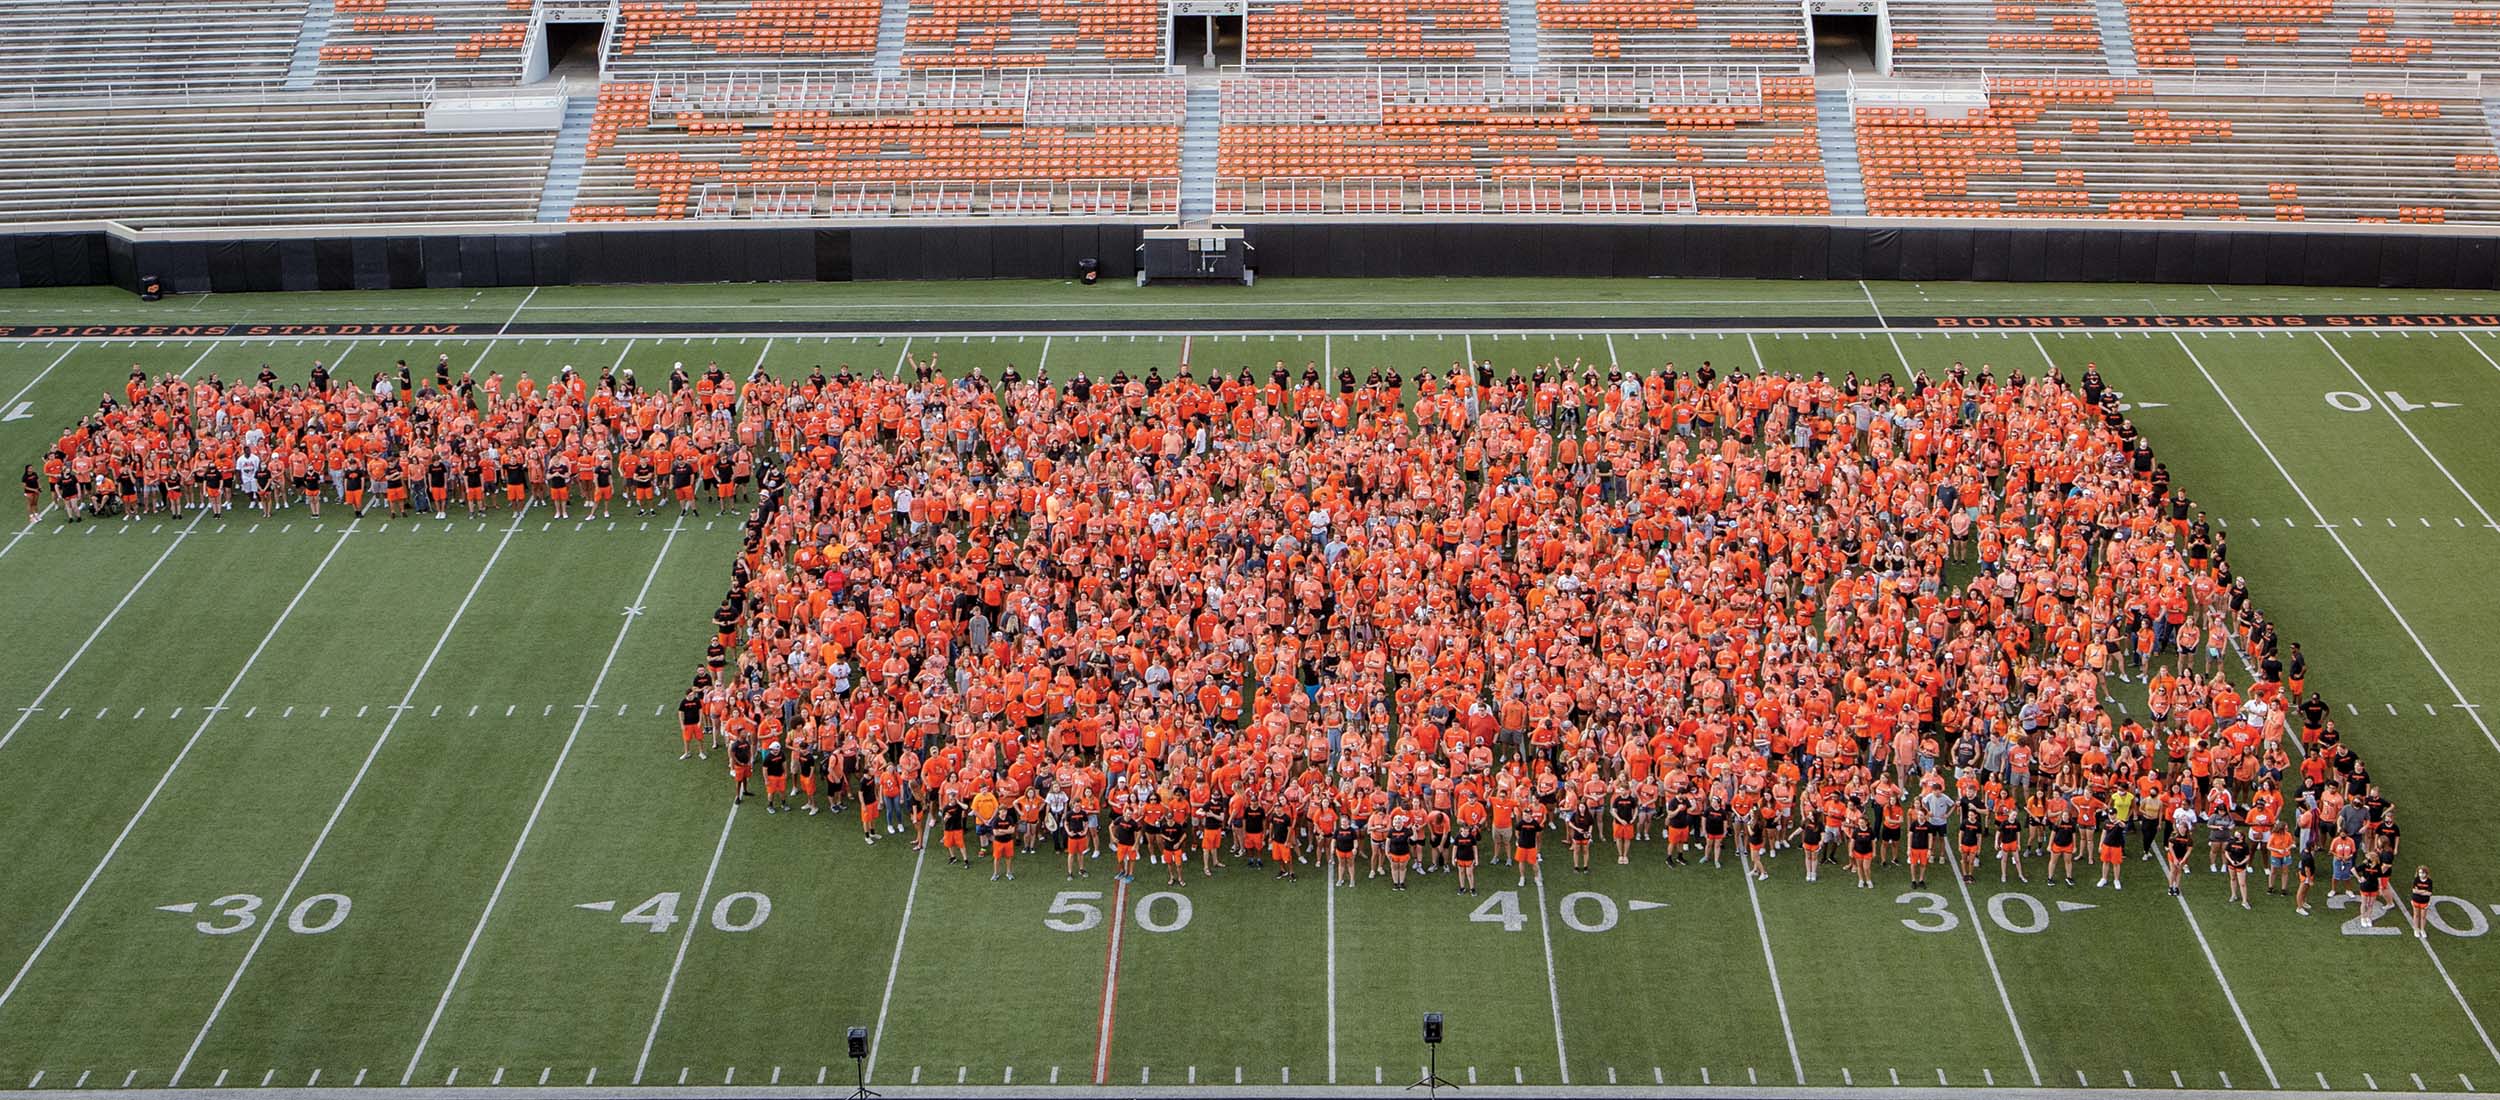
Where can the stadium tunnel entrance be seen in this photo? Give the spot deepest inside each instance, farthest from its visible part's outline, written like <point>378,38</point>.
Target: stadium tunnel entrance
<point>1848,37</point>
<point>1207,34</point>
<point>570,50</point>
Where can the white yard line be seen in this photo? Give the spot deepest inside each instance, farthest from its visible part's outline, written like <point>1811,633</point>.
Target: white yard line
<point>1042,369</point>
<point>1332,985</point>
<point>621,353</point>
<point>340,810</point>
<point>2470,1017</point>
<point>1110,984</point>
<point>1612,360</point>
<point>2331,532</point>
<point>98,872</point>
<point>40,375</point>
<point>98,632</point>
<point>1795,1064</point>
<point>195,364</point>
<point>761,355</point>
<point>516,313</point>
<point>1977,926</point>
<point>1553,989</point>
<point>2389,409</point>
<point>2478,350</point>
<point>894,967</point>
<point>2263,1062</point>
<point>902,358</point>
<point>1328,363</point>
<point>702,901</point>
<point>527,826</point>
<point>22,532</point>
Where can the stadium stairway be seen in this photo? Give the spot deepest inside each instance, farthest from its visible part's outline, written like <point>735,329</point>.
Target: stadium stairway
<point>1521,15</point>
<point>1837,131</point>
<point>2491,117</point>
<point>564,166</point>
<point>891,19</point>
<point>1198,145</point>
<point>2117,39</point>
<point>308,43</point>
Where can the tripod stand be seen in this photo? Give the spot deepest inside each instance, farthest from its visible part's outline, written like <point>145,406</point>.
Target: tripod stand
<point>1432,1082</point>
<point>863,1092</point>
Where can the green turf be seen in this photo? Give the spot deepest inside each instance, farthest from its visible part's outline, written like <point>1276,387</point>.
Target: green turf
<point>305,787</point>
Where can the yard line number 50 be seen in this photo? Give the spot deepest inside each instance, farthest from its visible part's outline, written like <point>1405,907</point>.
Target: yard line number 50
<point>1076,911</point>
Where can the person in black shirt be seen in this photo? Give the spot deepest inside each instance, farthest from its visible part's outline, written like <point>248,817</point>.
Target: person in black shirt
<point>2235,855</point>
<point>1463,843</point>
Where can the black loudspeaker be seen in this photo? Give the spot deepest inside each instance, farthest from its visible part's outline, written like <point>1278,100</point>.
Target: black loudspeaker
<point>151,288</point>
<point>1432,1029</point>
<point>859,1042</point>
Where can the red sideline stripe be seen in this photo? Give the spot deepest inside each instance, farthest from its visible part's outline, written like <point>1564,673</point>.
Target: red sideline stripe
<point>1110,982</point>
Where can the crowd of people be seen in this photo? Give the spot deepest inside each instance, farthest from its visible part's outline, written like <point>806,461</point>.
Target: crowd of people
<point>401,444</point>
<point>1388,633</point>
<point>1395,629</point>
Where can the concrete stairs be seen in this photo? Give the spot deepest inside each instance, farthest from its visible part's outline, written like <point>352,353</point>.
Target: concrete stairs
<point>1198,146</point>
<point>564,168</point>
<point>890,22</point>
<point>2117,41</point>
<point>1523,28</point>
<point>1837,131</point>
<point>307,59</point>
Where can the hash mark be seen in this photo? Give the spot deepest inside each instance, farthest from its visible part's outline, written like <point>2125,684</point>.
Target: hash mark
<point>682,1071</point>
<point>2226,1078</point>
<point>2417,1083</point>
<point>133,1075</point>
<point>360,1077</point>
<point>731,1077</point>
<point>498,1076</point>
<point>2129,1075</point>
<point>221,1079</point>
<point>2370,1081</point>
<point>315,1079</point>
<point>543,1071</point>
<point>37,1081</point>
<point>455,1076</point>
<point>1844,1076</point>
<point>265,1078</point>
<point>2080,1081</point>
<point>591,1076</point>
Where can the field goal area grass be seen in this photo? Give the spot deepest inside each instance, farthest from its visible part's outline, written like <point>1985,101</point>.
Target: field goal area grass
<point>319,802</point>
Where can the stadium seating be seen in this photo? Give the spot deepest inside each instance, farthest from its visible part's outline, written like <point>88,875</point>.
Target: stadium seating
<point>1768,33</point>
<point>1026,34</point>
<point>126,44</point>
<point>2316,36</point>
<point>997,146</point>
<point>444,41</point>
<point>658,36</point>
<point>1450,145</point>
<point>1964,36</point>
<point>1358,32</point>
<point>2108,148</point>
<point>262,161</point>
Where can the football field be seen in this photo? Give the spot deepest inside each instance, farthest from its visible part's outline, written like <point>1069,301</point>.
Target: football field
<point>299,802</point>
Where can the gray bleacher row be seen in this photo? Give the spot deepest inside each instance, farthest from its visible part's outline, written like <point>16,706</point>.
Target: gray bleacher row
<point>294,160</point>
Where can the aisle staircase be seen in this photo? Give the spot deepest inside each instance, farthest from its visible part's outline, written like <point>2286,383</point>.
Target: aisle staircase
<point>2117,40</point>
<point>1837,131</point>
<point>1198,145</point>
<point>564,168</point>
<point>316,32</point>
